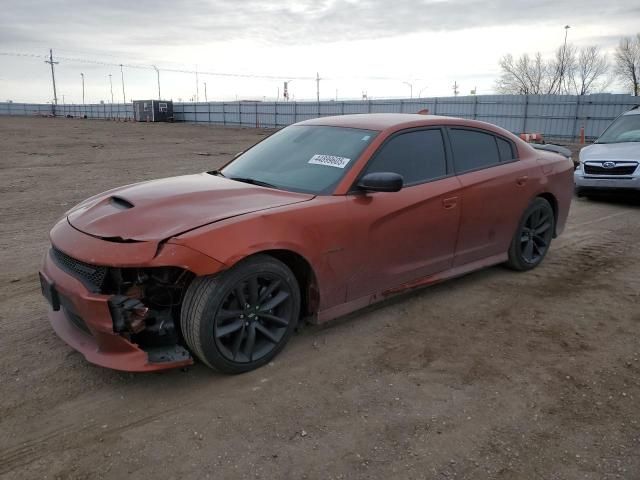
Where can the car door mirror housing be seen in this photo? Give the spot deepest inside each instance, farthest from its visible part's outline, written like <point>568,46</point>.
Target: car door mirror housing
<point>381,182</point>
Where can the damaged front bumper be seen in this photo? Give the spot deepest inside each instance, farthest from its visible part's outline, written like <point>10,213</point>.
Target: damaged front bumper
<point>105,327</point>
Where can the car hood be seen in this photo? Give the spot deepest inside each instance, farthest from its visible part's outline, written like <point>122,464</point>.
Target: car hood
<point>611,151</point>
<point>159,209</point>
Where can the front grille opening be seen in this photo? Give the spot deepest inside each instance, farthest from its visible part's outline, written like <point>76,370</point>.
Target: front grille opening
<point>617,170</point>
<point>91,276</point>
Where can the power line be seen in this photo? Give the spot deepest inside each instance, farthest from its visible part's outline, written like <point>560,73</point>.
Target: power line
<point>210,73</point>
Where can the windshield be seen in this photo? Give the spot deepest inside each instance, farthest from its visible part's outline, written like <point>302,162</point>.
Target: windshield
<point>623,129</point>
<point>301,158</point>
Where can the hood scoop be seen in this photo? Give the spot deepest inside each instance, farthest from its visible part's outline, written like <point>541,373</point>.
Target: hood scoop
<point>121,203</point>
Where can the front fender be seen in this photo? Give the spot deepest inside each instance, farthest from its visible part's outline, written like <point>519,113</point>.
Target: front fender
<point>318,230</point>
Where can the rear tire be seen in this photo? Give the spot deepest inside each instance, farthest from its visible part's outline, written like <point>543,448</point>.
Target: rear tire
<point>533,237</point>
<point>239,320</point>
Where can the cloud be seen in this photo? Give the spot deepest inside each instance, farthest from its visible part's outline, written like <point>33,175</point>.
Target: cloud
<point>124,24</point>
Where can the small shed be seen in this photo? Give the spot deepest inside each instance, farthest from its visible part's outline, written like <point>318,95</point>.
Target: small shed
<point>153,110</point>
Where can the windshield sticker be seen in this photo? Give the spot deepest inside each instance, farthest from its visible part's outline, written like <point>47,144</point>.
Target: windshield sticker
<point>366,137</point>
<point>330,161</point>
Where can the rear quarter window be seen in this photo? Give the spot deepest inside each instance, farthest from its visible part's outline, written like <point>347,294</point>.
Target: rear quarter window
<point>506,150</point>
<point>473,149</point>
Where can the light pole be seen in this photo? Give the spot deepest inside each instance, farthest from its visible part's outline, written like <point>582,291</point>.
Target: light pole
<point>111,87</point>
<point>205,92</point>
<point>82,75</point>
<point>197,86</point>
<point>410,88</point>
<point>563,64</point>
<point>124,98</point>
<point>158,74</point>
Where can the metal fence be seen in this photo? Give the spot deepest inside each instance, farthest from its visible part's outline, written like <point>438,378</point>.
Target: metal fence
<point>94,111</point>
<point>557,116</point>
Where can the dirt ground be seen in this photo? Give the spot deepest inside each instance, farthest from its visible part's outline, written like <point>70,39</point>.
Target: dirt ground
<point>495,375</point>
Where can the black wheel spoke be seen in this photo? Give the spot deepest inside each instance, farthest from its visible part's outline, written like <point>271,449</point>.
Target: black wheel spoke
<point>253,290</point>
<point>239,291</point>
<point>269,290</point>
<point>228,314</point>
<point>273,302</point>
<point>236,343</point>
<point>542,228</point>
<point>251,341</point>
<point>279,321</point>
<point>229,328</point>
<point>539,241</point>
<point>266,333</point>
<point>528,250</point>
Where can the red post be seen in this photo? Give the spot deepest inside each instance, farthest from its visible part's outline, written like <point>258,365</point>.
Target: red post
<point>582,141</point>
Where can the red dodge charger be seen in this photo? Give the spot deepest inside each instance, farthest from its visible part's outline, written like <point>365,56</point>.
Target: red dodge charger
<point>320,219</point>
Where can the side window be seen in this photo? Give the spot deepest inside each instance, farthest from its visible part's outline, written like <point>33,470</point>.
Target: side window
<point>506,150</point>
<point>418,156</point>
<point>473,149</point>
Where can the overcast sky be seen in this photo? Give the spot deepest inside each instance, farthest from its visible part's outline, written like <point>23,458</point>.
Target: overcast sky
<point>355,45</point>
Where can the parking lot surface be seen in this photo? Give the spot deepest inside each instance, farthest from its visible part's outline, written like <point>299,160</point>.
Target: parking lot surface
<point>494,375</point>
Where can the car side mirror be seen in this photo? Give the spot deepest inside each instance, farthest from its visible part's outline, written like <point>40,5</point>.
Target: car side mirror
<point>381,182</point>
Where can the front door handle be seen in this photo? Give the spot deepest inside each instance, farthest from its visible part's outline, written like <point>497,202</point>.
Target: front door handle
<point>449,202</point>
<point>522,180</point>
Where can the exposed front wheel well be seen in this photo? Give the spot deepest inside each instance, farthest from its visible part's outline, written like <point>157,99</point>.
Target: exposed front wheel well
<point>301,268</point>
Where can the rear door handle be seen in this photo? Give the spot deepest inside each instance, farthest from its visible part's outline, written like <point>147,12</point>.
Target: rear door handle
<point>449,202</point>
<point>522,180</point>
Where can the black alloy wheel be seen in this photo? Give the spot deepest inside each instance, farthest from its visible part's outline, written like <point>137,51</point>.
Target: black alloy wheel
<point>533,237</point>
<point>253,318</point>
<point>240,319</point>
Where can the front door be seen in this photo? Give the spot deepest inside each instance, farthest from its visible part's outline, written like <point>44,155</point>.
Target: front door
<point>406,235</point>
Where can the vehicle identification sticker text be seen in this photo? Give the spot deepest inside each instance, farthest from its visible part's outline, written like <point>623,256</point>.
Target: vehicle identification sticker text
<point>329,160</point>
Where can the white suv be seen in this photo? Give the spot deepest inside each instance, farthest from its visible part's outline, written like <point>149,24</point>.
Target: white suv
<point>611,163</point>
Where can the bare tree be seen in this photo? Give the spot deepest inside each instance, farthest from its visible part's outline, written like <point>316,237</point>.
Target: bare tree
<point>523,76</point>
<point>561,69</point>
<point>590,73</point>
<point>627,61</point>
<point>570,71</point>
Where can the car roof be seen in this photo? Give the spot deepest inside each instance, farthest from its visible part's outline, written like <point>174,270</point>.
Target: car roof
<point>634,111</point>
<point>378,121</point>
<point>391,122</point>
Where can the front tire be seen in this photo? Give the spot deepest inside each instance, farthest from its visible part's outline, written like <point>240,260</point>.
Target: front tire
<point>239,320</point>
<point>533,237</point>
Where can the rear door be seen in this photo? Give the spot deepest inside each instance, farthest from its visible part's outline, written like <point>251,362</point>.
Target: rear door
<point>496,189</point>
<point>402,236</point>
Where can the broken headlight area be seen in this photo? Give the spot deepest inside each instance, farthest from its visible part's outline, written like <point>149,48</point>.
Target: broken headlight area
<point>145,308</point>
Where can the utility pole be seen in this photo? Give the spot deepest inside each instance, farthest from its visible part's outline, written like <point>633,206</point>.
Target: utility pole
<point>205,92</point>
<point>53,79</point>
<point>124,97</point>
<point>82,75</point>
<point>318,87</point>
<point>455,89</point>
<point>158,74</point>
<point>197,88</point>
<point>111,87</point>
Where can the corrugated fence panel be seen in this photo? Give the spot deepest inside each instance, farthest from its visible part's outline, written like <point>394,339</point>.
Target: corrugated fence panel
<point>560,116</point>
